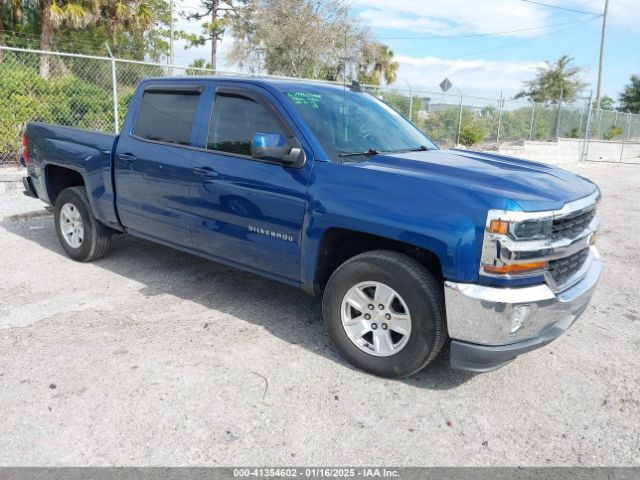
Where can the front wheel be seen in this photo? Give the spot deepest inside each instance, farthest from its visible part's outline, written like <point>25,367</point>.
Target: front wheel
<point>385,313</point>
<point>81,235</point>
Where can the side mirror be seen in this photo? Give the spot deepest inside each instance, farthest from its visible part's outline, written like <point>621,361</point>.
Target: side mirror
<point>274,146</point>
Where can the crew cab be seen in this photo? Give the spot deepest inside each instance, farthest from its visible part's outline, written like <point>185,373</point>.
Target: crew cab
<point>329,189</point>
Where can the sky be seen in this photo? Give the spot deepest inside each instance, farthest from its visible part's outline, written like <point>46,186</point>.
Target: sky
<point>486,47</point>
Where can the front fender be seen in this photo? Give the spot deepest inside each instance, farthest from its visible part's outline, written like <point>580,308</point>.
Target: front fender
<point>443,219</point>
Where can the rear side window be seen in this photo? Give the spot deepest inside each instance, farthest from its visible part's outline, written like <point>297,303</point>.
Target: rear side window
<point>166,116</point>
<point>234,121</point>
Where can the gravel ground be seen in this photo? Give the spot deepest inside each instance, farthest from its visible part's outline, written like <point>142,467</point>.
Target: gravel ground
<point>154,357</point>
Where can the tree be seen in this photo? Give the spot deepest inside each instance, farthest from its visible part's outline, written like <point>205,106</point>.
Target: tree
<point>10,13</point>
<point>16,13</point>
<point>126,15</point>
<point>554,81</point>
<point>53,15</point>
<point>137,29</point>
<point>221,13</point>
<point>299,38</point>
<point>196,65</point>
<point>606,103</point>
<point>630,96</point>
<point>377,65</point>
<point>127,25</point>
<point>2,40</point>
<point>16,18</point>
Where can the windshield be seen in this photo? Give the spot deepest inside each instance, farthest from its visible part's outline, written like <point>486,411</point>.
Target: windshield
<point>355,124</point>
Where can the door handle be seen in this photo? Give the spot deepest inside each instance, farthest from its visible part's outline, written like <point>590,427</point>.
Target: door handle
<point>207,173</point>
<point>127,157</point>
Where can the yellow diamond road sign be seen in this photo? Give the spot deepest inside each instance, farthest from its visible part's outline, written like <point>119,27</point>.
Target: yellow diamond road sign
<point>445,84</point>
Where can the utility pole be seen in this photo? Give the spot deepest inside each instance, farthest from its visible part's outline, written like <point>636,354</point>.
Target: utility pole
<point>410,101</point>
<point>114,86</point>
<point>215,34</point>
<point>171,58</point>
<point>602,41</point>
<point>501,101</point>
<point>559,113</point>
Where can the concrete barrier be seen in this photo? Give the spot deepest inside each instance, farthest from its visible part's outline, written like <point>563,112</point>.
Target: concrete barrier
<point>11,180</point>
<point>568,150</point>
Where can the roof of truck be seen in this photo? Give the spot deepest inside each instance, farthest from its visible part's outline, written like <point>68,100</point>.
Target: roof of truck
<point>279,83</point>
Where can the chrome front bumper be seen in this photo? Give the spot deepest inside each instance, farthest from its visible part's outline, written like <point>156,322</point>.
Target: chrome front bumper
<point>490,326</point>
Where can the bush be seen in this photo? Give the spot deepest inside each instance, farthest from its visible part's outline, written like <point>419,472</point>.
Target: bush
<point>471,134</point>
<point>613,132</point>
<point>574,133</point>
<point>68,100</point>
<point>441,126</point>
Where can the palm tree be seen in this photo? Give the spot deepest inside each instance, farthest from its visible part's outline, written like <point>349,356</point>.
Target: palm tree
<point>554,81</point>
<point>378,65</point>
<point>133,16</point>
<point>16,13</point>
<point>385,65</point>
<point>117,16</point>
<point>55,13</point>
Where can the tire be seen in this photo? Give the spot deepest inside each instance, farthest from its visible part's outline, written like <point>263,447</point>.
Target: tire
<point>91,239</point>
<point>376,274</point>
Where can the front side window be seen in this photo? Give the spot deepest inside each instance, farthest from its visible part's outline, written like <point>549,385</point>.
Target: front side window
<point>346,123</point>
<point>235,120</point>
<point>166,116</point>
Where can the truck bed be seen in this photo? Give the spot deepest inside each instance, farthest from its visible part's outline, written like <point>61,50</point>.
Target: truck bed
<point>88,152</point>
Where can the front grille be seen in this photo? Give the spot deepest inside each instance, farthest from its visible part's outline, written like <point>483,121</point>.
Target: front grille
<point>570,226</point>
<point>564,268</point>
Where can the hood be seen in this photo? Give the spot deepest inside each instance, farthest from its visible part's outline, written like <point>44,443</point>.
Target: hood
<point>533,186</point>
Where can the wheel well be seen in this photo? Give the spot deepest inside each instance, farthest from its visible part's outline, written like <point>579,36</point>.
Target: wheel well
<point>59,178</point>
<point>338,245</point>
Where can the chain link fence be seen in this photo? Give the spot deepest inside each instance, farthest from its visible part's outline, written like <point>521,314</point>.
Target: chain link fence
<point>94,92</point>
<point>479,121</point>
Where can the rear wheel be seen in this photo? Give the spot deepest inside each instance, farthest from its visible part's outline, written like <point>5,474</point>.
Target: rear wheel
<point>81,235</point>
<point>385,313</point>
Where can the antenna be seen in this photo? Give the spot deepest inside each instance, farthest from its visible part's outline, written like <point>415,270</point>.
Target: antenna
<point>344,86</point>
<point>344,59</point>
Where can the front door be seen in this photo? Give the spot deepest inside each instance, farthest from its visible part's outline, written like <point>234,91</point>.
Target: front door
<point>247,211</point>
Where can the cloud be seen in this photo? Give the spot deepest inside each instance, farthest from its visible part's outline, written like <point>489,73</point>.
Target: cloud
<point>457,17</point>
<point>453,17</point>
<point>622,13</point>
<point>471,77</point>
<point>625,13</point>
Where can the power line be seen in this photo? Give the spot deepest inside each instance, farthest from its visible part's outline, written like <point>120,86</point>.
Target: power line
<point>563,8</point>
<point>522,41</point>
<point>454,41</point>
<point>436,37</point>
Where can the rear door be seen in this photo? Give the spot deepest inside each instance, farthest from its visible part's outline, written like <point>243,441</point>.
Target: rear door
<point>153,163</point>
<point>246,211</point>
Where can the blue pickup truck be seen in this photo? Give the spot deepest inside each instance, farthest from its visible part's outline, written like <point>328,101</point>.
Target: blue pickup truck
<point>329,189</point>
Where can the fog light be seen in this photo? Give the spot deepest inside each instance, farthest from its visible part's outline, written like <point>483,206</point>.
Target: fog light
<point>520,316</point>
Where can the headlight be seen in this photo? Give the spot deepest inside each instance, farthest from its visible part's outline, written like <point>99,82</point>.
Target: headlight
<point>496,261</point>
<point>527,230</point>
<point>531,230</point>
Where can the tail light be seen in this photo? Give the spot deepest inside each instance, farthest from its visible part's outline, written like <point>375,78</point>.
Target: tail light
<point>25,150</point>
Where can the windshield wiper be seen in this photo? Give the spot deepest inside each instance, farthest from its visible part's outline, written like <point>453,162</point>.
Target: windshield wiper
<point>421,148</point>
<point>368,153</point>
<point>373,151</point>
